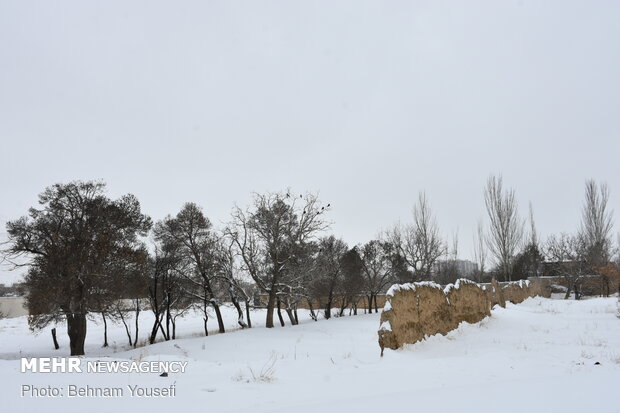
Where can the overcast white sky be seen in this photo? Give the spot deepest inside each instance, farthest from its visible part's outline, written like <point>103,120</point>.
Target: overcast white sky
<point>367,102</point>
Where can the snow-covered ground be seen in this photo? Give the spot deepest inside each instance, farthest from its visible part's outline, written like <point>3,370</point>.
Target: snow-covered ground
<point>536,356</point>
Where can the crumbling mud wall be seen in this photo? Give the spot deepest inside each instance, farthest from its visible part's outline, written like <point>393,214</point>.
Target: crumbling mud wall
<point>404,320</point>
<point>518,291</point>
<point>540,286</point>
<point>495,294</point>
<point>468,302</point>
<point>416,310</point>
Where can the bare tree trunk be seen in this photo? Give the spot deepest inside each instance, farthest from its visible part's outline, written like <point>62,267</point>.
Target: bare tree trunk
<point>76,329</point>
<point>569,289</point>
<point>343,306</point>
<point>135,340</point>
<point>205,318</point>
<point>105,330</point>
<point>312,313</point>
<point>247,312</point>
<point>168,316</point>
<point>156,312</point>
<point>270,306</point>
<point>156,325</point>
<point>376,307</point>
<point>163,333</point>
<point>328,306</point>
<point>577,290</point>
<point>120,313</point>
<point>239,312</point>
<point>291,316</point>
<point>280,314</point>
<point>56,346</point>
<point>220,320</point>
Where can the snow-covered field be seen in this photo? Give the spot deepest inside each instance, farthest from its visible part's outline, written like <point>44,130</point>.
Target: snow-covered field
<point>536,356</point>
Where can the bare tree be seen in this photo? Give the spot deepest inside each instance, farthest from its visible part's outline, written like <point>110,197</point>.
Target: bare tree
<point>130,292</point>
<point>119,312</point>
<point>505,226</point>
<point>271,236</point>
<point>230,273</point>
<point>419,244</point>
<point>618,250</point>
<point>597,224</point>
<point>566,255</point>
<point>190,232</point>
<point>447,270</point>
<point>165,289</point>
<point>352,282</point>
<point>69,244</point>
<point>376,269</point>
<point>328,277</point>
<point>480,252</point>
<point>533,235</point>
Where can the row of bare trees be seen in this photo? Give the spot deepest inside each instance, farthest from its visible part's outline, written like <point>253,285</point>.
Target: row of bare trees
<point>587,251</point>
<point>88,254</point>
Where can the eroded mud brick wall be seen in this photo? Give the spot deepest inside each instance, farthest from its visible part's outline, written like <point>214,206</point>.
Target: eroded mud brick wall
<point>416,310</point>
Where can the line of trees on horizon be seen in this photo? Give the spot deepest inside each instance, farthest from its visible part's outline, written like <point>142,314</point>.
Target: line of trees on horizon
<point>87,253</point>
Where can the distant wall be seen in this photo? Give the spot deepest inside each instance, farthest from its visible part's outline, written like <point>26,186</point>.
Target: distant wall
<point>416,310</point>
<point>361,302</point>
<point>540,286</point>
<point>12,307</point>
<point>588,285</point>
